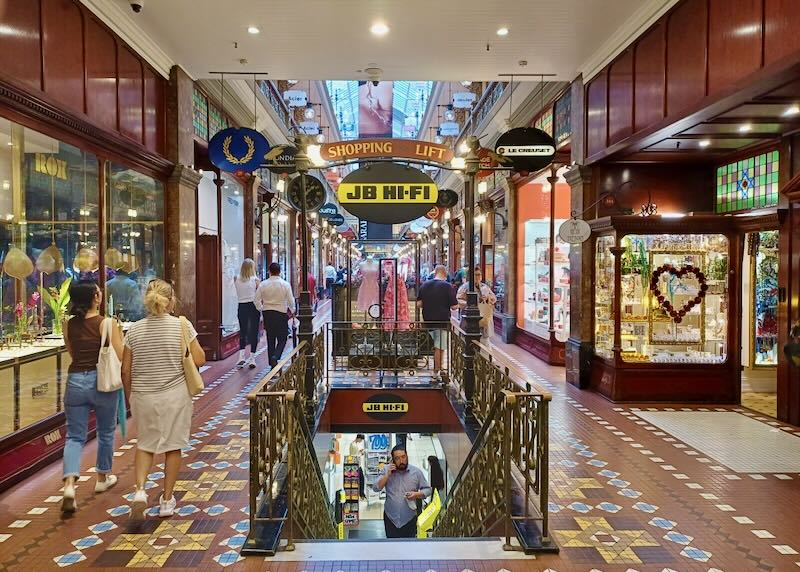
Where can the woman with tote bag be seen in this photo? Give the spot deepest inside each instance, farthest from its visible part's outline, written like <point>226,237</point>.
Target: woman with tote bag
<point>159,372</point>
<point>95,346</point>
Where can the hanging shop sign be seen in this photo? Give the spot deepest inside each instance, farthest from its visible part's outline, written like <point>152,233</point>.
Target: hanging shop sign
<point>328,210</point>
<point>490,160</point>
<point>463,99</point>
<point>528,148</point>
<point>280,160</point>
<point>309,127</point>
<point>315,193</point>
<point>386,148</point>
<point>295,98</point>
<point>385,407</point>
<point>387,193</point>
<point>574,231</point>
<point>363,230</point>
<point>237,149</point>
<point>433,214</point>
<point>336,220</point>
<point>449,129</point>
<point>447,199</point>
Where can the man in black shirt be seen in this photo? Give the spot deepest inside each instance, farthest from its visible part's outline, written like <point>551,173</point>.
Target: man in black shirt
<point>437,299</point>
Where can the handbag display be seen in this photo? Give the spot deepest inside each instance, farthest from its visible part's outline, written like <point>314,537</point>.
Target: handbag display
<point>194,381</point>
<point>109,366</point>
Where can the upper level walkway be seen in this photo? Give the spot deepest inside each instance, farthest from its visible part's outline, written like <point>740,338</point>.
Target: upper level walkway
<point>632,488</point>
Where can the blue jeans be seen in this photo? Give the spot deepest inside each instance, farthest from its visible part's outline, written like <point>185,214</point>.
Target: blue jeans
<point>81,397</point>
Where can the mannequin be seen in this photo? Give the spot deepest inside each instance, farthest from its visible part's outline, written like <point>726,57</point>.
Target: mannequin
<point>368,290</point>
<point>396,286</point>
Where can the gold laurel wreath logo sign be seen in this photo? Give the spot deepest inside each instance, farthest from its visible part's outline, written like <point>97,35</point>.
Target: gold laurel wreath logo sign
<point>226,150</point>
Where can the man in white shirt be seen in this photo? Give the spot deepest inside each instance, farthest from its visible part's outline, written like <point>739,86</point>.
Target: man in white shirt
<point>330,279</point>
<point>275,300</point>
<point>486,302</point>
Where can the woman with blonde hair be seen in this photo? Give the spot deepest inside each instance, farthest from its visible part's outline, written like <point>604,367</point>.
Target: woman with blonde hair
<point>154,381</point>
<point>249,316</point>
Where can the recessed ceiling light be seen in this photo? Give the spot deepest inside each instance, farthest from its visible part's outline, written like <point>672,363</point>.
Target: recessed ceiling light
<point>379,29</point>
<point>502,32</point>
<point>253,30</point>
<point>745,127</point>
<point>791,110</point>
<point>704,143</point>
<point>466,83</point>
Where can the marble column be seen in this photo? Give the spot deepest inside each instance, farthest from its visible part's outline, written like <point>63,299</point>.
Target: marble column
<point>181,235</point>
<point>579,347</point>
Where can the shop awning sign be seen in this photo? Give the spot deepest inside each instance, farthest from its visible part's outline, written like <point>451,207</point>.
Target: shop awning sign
<point>280,160</point>
<point>386,149</point>
<point>237,149</point>
<point>387,193</point>
<point>529,149</point>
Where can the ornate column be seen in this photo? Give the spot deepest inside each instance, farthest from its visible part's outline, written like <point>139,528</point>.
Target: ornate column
<point>579,347</point>
<point>509,318</point>
<point>181,236</point>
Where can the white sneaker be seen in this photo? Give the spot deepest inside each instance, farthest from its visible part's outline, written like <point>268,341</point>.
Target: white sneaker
<point>251,362</point>
<point>103,486</point>
<point>242,360</point>
<point>166,508</point>
<point>139,504</point>
<point>68,505</point>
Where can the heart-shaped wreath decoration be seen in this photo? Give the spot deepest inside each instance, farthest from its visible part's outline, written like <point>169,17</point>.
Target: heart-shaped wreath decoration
<point>677,314</point>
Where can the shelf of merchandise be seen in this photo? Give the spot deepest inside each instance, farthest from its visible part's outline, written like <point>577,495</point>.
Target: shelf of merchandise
<point>640,353</point>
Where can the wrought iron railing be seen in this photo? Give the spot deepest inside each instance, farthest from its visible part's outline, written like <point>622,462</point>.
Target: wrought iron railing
<point>386,348</point>
<point>287,491</point>
<point>318,344</point>
<point>457,348</point>
<point>487,494</point>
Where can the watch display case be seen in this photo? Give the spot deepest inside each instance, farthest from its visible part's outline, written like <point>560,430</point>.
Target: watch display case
<point>664,290</point>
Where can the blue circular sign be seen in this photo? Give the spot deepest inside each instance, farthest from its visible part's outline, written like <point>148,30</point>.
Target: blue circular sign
<point>237,149</point>
<point>328,210</point>
<point>336,220</point>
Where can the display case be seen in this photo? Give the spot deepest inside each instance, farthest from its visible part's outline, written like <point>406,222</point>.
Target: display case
<point>665,299</point>
<point>764,292</point>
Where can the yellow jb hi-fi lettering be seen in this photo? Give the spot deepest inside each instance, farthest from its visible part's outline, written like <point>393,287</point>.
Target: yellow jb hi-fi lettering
<point>387,193</point>
<point>385,407</point>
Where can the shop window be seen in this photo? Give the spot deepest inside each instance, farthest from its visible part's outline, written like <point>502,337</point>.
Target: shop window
<point>563,118</point>
<point>200,114</point>
<point>545,122</point>
<point>604,287</point>
<point>499,272</point>
<point>232,210</point>
<point>674,298</point>
<point>134,239</point>
<point>765,298</point>
<point>748,184</point>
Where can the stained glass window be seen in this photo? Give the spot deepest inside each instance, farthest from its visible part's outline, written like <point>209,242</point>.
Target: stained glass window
<point>200,114</point>
<point>545,122</point>
<point>563,118</point>
<point>216,121</point>
<point>748,184</point>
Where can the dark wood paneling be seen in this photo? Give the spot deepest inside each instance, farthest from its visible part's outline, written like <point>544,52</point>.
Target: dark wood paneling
<point>62,41</point>
<point>130,94</point>
<point>734,47</point>
<point>596,114</point>
<point>21,52</point>
<point>650,66</point>
<point>101,75</point>
<point>154,110</point>
<point>620,98</point>
<point>781,29</point>
<point>686,55</point>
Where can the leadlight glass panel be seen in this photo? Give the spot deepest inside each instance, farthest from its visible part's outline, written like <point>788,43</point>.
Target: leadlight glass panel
<point>750,183</point>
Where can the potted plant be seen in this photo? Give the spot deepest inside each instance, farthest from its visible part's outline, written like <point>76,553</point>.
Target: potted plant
<point>58,300</point>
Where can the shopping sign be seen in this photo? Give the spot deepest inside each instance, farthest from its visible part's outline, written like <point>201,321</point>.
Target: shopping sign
<point>529,149</point>
<point>386,148</point>
<point>237,149</point>
<point>295,98</point>
<point>574,231</point>
<point>387,193</point>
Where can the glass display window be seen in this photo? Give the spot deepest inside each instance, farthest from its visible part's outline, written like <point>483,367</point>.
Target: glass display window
<point>604,288</point>
<point>134,239</point>
<point>674,298</point>
<point>232,245</point>
<point>500,257</point>
<point>765,298</point>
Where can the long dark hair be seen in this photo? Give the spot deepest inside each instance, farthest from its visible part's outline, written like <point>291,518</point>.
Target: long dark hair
<point>437,474</point>
<point>81,296</point>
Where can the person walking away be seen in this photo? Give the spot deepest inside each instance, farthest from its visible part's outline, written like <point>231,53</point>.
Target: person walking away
<point>436,475</point>
<point>249,316</point>
<point>486,302</point>
<point>154,381</point>
<point>312,289</point>
<point>82,336</point>
<point>330,280</point>
<point>404,484</point>
<point>275,299</point>
<point>437,300</point>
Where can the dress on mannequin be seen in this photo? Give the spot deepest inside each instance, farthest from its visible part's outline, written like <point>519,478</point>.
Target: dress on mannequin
<point>368,292</point>
<point>396,286</point>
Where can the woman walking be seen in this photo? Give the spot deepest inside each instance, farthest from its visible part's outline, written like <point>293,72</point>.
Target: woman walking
<point>249,316</point>
<point>82,336</point>
<point>154,380</point>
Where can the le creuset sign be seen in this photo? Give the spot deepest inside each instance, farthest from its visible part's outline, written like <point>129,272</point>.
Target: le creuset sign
<point>574,231</point>
<point>295,98</point>
<point>385,407</point>
<point>529,149</point>
<point>237,149</point>
<point>387,193</point>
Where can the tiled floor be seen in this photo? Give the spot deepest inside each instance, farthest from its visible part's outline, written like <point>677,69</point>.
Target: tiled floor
<point>625,495</point>
<point>766,403</point>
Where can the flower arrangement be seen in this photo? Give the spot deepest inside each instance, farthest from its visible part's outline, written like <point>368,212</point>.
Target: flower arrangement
<point>58,300</point>
<point>26,316</point>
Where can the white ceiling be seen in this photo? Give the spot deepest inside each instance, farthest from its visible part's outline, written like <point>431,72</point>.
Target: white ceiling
<point>429,39</point>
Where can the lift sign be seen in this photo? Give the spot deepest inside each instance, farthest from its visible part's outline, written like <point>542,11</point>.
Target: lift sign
<point>385,406</point>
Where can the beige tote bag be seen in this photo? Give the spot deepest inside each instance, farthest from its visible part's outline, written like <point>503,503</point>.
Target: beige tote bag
<point>194,381</point>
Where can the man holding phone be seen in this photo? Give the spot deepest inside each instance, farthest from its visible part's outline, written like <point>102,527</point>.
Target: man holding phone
<point>404,485</point>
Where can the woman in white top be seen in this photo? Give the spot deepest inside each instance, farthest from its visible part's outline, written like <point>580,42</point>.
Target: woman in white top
<point>152,374</point>
<point>249,316</point>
